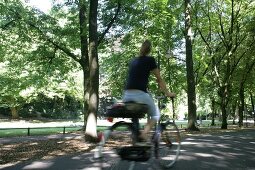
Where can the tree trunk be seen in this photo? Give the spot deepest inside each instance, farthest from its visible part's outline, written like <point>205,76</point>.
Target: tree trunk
<point>253,107</point>
<point>234,112</point>
<point>224,124</point>
<point>14,113</point>
<point>189,70</point>
<point>223,95</point>
<point>84,61</point>
<point>213,113</point>
<point>91,126</point>
<point>241,105</point>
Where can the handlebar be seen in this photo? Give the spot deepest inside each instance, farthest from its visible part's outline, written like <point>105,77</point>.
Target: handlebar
<point>172,99</point>
<point>164,97</point>
<point>161,97</point>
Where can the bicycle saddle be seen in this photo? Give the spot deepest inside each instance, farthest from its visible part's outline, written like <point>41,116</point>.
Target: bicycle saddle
<point>127,110</point>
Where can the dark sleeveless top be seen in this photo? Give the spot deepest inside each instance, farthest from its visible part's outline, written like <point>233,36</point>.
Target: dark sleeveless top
<point>139,72</point>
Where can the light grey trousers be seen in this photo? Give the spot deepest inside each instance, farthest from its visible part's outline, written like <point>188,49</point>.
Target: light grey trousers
<point>140,96</point>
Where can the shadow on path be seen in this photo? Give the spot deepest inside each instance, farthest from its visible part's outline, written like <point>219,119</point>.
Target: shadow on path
<point>223,151</point>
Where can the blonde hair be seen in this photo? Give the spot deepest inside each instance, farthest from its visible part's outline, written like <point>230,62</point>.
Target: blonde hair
<point>145,48</point>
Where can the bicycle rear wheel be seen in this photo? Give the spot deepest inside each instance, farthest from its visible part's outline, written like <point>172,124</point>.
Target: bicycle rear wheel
<point>116,137</point>
<point>168,148</point>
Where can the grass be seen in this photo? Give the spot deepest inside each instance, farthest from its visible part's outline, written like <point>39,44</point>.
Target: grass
<point>16,132</point>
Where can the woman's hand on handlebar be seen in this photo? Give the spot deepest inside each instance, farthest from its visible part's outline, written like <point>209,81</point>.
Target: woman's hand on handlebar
<point>169,94</point>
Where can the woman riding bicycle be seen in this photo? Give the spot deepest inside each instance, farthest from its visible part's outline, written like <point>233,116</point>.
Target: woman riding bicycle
<point>140,69</point>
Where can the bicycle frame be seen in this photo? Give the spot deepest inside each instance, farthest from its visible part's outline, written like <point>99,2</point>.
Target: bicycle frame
<point>142,150</point>
<point>135,128</point>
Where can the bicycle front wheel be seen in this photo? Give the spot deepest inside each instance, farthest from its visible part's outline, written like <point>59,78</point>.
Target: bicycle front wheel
<point>167,149</point>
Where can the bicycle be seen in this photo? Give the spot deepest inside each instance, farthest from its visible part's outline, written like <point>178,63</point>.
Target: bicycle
<point>165,143</point>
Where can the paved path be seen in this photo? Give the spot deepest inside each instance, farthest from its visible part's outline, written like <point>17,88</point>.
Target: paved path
<point>225,151</point>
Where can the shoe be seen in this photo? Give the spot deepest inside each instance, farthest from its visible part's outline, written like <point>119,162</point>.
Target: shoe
<point>168,143</point>
<point>142,142</point>
<point>145,144</point>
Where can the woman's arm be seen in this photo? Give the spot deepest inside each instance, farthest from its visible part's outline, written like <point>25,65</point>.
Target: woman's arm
<point>161,83</point>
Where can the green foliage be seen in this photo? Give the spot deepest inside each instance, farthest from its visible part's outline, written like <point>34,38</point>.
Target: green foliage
<point>55,108</point>
<point>31,64</point>
<point>142,20</point>
<point>225,45</point>
<point>104,103</point>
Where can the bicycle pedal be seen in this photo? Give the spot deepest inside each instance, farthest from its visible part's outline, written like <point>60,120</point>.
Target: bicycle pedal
<point>134,153</point>
<point>169,145</point>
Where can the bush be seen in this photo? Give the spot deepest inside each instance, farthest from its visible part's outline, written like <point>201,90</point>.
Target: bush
<point>5,111</point>
<point>54,108</point>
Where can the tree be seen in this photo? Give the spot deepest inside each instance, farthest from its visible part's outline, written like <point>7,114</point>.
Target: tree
<point>246,71</point>
<point>93,82</point>
<point>93,71</point>
<point>189,69</point>
<point>31,63</point>
<point>227,44</point>
<point>154,20</point>
<point>253,107</point>
<point>51,33</point>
